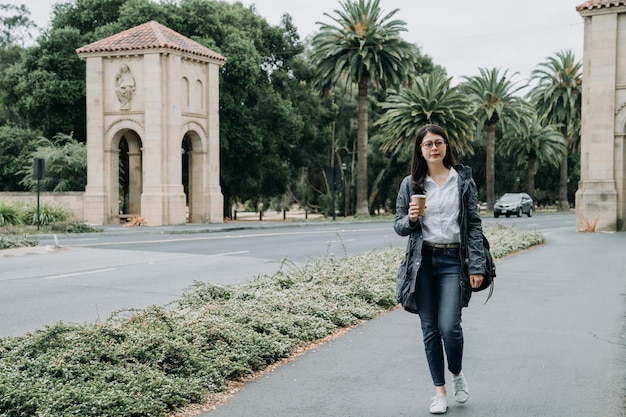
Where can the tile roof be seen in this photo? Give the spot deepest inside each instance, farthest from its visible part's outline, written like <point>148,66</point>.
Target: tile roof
<point>599,4</point>
<point>150,35</point>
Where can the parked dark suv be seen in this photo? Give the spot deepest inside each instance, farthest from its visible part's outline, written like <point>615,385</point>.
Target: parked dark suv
<point>513,203</point>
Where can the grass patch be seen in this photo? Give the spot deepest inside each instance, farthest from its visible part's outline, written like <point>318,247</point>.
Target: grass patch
<point>153,361</point>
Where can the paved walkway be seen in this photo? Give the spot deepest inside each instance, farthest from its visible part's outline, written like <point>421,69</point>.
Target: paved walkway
<point>551,342</point>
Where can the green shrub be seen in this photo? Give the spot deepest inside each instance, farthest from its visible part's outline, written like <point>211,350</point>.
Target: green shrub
<point>7,242</point>
<point>48,213</point>
<point>9,215</point>
<point>505,240</point>
<point>72,226</point>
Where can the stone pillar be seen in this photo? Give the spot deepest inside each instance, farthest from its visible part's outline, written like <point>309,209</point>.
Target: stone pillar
<point>214,200</point>
<point>135,186</point>
<point>152,196</point>
<point>196,212</point>
<point>596,198</point>
<point>96,192</point>
<point>175,199</point>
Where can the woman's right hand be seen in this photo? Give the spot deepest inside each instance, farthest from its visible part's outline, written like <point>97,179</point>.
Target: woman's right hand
<point>413,213</point>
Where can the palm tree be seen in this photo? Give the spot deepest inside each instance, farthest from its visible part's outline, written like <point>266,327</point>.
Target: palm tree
<point>557,98</point>
<point>364,46</point>
<point>430,99</point>
<point>495,102</point>
<point>540,145</point>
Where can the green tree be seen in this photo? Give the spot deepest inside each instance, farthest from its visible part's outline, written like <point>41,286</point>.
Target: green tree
<point>430,99</point>
<point>17,146</point>
<point>268,126</point>
<point>540,145</point>
<point>46,89</point>
<point>364,46</point>
<point>558,99</point>
<point>88,16</point>
<point>495,103</point>
<point>65,165</point>
<point>16,30</point>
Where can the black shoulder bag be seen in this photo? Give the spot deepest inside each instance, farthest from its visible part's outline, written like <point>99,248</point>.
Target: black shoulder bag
<point>490,271</point>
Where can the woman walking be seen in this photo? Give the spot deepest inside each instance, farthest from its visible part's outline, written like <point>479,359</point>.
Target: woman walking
<point>444,259</point>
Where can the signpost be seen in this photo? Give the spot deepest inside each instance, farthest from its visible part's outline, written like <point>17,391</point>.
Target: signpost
<point>39,173</point>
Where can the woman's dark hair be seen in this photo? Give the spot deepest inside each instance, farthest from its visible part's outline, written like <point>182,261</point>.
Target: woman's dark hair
<point>419,168</point>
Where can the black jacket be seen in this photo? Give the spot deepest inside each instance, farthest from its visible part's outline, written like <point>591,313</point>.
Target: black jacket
<point>471,250</point>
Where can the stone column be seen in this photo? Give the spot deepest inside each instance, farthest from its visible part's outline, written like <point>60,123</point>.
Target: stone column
<point>596,198</point>
<point>214,200</point>
<point>95,199</point>
<point>152,207</point>
<point>135,186</point>
<point>196,180</point>
<point>175,204</point>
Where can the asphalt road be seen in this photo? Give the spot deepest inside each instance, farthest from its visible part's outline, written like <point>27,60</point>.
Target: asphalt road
<point>96,274</point>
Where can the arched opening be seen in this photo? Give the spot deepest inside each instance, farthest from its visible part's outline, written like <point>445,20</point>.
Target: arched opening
<point>193,176</point>
<point>126,175</point>
<point>186,148</point>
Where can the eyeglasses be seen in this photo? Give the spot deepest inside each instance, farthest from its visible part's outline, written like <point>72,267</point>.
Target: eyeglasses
<point>437,143</point>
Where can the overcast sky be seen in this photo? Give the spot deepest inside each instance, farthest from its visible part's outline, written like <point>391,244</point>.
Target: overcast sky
<point>460,35</point>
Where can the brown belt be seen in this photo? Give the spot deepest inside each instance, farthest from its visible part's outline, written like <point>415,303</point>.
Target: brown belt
<point>442,245</point>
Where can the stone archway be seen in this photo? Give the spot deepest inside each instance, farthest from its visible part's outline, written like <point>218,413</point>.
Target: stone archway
<point>151,93</point>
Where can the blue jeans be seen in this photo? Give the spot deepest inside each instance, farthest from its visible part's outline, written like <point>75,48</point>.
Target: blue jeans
<point>438,294</point>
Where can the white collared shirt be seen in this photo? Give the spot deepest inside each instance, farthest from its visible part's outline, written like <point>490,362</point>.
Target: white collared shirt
<point>440,222</point>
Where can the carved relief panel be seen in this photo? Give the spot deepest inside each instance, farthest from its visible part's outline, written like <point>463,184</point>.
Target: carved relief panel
<point>125,86</point>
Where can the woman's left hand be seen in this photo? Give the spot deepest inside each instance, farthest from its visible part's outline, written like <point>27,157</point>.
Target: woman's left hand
<point>476,280</point>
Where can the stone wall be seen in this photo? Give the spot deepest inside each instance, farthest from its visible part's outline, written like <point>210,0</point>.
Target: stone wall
<point>70,200</point>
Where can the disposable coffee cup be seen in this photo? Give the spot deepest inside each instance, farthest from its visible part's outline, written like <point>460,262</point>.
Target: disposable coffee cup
<point>420,201</point>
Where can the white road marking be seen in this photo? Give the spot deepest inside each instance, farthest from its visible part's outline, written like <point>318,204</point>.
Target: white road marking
<point>229,253</point>
<point>341,241</point>
<point>228,236</point>
<point>75,274</point>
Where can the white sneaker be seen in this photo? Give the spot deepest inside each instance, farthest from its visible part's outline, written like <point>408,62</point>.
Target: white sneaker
<point>461,390</point>
<point>439,404</point>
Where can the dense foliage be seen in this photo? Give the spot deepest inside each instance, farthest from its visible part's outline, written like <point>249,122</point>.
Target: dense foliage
<point>149,362</point>
<point>429,100</point>
<point>363,47</point>
<point>558,100</point>
<point>496,104</point>
<point>18,145</point>
<point>65,165</point>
